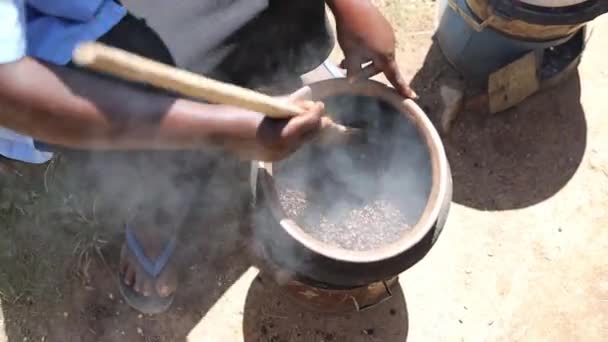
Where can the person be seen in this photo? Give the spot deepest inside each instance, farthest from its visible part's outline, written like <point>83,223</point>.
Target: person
<point>47,103</point>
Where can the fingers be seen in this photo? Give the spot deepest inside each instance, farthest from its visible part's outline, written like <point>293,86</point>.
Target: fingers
<point>280,138</point>
<point>385,64</point>
<point>303,127</point>
<point>352,64</point>
<point>311,106</point>
<point>370,71</point>
<point>393,75</point>
<point>304,93</point>
<point>366,72</point>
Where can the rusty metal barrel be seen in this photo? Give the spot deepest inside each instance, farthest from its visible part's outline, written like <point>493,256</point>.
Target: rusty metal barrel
<point>479,37</point>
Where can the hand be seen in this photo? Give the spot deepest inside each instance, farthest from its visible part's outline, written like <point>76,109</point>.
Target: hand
<point>366,36</point>
<point>276,139</point>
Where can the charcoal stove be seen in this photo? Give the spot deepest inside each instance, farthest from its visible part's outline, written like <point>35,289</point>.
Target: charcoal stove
<point>332,300</point>
<point>325,298</point>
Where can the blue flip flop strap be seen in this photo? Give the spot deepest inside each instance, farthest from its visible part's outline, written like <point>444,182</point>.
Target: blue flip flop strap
<point>153,268</point>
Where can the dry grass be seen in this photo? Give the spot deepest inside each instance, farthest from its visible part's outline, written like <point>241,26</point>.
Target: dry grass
<point>45,228</point>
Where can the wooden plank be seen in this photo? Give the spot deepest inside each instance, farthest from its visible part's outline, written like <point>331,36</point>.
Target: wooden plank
<point>513,83</point>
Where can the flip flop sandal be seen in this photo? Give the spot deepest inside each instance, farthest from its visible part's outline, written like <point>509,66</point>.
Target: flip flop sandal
<point>153,304</point>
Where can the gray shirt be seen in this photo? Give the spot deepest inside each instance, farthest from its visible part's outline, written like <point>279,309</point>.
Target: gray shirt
<point>241,40</point>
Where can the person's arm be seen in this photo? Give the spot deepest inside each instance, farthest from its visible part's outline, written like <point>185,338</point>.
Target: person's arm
<point>63,106</point>
<point>366,36</point>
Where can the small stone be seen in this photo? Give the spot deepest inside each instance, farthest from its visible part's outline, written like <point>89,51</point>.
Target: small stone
<point>460,321</point>
<point>468,271</point>
<point>111,296</point>
<point>490,322</point>
<point>25,339</point>
<point>140,332</point>
<point>368,332</point>
<point>559,229</point>
<point>140,316</point>
<point>490,254</point>
<point>5,205</point>
<point>122,332</point>
<point>451,104</point>
<point>65,314</point>
<point>465,307</point>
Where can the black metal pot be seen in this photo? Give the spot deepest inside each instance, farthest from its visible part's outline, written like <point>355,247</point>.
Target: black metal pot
<point>288,247</point>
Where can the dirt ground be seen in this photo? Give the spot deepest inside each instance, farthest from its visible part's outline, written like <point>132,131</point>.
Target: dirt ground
<point>523,256</point>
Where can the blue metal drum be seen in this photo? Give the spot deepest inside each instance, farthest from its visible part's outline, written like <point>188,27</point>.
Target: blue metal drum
<point>476,50</point>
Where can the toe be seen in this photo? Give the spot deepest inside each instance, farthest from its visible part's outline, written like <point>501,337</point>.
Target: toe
<point>124,262</point>
<point>148,287</point>
<point>163,290</point>
<point>167,283</point>
<point>139,284</point>
<point>129,276</point>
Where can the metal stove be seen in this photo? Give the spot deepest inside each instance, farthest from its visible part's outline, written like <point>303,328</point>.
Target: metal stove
<point>329,299</point>
<point>318,296</point>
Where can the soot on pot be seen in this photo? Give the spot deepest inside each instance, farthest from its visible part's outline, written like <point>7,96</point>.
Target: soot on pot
<point>364,195</point>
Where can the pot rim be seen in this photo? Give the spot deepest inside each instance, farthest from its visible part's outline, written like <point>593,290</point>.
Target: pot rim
<point>439,176</point>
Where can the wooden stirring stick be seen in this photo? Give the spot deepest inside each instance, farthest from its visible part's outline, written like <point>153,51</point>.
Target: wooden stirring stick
<point>129,66</point>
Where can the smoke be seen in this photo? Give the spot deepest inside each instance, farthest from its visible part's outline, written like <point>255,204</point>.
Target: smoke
<point>393,165</point>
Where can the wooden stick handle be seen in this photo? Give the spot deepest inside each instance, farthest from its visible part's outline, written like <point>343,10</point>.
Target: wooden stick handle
<point>132,67</point>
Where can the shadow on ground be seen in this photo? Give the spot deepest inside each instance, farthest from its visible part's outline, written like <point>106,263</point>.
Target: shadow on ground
<point>513,159</point>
